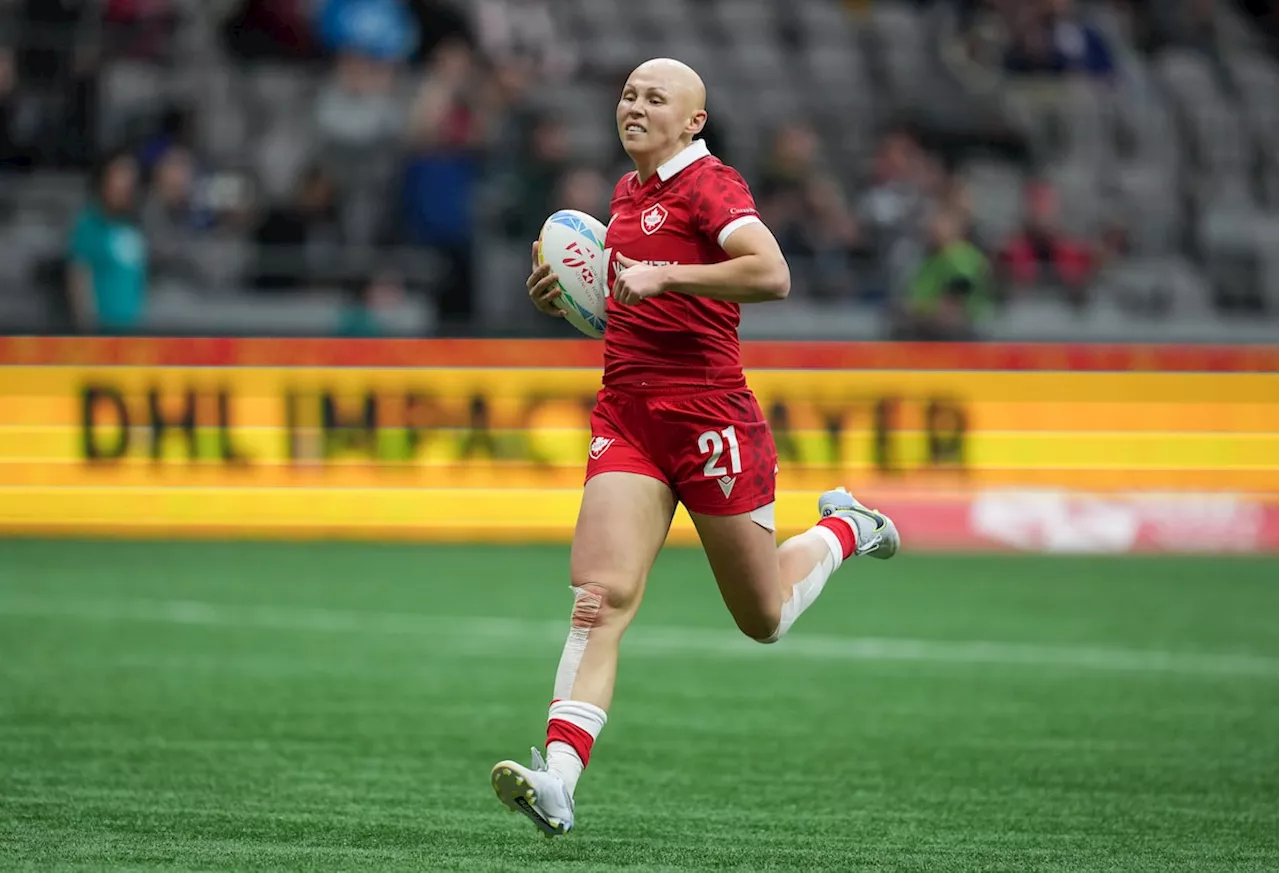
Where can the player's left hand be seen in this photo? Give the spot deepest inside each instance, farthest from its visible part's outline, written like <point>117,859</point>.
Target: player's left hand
<point>636,281</point>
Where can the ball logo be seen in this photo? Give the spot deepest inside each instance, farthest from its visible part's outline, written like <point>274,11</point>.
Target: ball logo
<point>576,259</point>
<point>653,219</point>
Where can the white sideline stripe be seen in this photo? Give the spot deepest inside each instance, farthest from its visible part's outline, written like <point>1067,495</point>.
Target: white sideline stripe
<point>651,640</point>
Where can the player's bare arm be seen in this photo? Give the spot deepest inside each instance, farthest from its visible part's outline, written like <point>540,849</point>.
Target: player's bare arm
<point>756,272</point>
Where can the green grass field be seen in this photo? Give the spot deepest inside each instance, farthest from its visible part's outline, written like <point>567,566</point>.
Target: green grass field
<point>338,706</point>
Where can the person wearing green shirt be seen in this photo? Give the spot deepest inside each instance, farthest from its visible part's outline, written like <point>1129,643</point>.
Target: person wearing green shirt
<point>951,290</point>
<point>364,314</point>
<point>108,253</point>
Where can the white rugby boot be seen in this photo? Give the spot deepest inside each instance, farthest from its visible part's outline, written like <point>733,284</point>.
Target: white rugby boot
<point>535,792</point>
<point>877,534</point>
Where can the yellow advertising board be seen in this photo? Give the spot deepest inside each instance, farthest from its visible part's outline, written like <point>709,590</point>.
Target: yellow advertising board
<point>499,452</point>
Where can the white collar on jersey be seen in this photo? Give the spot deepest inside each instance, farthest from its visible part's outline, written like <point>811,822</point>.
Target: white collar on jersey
<point>695,151</point>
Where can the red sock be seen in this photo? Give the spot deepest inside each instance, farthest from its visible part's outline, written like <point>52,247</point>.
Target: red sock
<point>844,533</point>
<point>561,731</point>
<point>576,724</point>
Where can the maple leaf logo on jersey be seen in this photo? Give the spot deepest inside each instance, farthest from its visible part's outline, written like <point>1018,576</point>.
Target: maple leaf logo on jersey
<point>599,445</point>
<point>653,219</point>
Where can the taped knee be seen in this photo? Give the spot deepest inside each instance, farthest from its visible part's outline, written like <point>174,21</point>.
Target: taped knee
<point>589,602</point>
<point>591,606</point>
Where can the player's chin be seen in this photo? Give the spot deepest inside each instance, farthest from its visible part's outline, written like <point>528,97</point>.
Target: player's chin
<point>634,143</point>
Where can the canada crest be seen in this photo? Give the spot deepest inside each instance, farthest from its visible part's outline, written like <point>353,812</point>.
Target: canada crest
<point>599,445</point>
<point>653,218</point>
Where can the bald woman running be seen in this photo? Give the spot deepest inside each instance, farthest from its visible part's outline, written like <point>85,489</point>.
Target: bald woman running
<point>675,422</point>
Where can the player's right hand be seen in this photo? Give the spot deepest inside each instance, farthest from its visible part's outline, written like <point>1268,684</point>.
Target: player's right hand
<point>543,287</point>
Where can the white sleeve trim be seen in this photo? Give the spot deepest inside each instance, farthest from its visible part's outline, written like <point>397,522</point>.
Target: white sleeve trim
<point>728,230</point>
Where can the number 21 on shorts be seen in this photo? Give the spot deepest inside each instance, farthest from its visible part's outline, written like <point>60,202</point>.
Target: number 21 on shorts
<point>712,444</point>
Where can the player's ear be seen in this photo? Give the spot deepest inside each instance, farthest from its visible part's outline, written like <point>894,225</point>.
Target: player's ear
<point>697,121</point>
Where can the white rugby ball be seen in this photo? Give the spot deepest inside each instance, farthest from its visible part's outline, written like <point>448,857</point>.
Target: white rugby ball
<point>572,242</point>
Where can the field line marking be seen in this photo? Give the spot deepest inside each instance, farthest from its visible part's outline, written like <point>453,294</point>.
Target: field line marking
<point>642,639</point>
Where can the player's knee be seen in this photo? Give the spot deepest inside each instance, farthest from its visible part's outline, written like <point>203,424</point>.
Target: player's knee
<point>594,603</point>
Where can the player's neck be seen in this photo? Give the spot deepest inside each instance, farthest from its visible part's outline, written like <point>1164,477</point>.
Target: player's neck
<point>647,165</point>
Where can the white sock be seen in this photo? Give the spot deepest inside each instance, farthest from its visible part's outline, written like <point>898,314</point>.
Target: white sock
<point>562,758</point>
<point>806,591</point>
<point>563,761</point>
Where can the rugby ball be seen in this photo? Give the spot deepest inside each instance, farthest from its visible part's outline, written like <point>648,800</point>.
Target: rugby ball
<point>572,242</point>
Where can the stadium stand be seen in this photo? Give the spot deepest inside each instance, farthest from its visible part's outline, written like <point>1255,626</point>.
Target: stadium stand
<point>990,168</point>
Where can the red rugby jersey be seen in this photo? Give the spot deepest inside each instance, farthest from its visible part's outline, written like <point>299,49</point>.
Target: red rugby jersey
<point>682,215</point>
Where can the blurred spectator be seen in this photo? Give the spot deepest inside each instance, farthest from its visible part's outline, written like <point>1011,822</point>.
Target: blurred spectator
<point>358,108</point>
<point>892,208</point>
<point>1189,24</point>
<point>581,188</point>
<point>440,178</point>
<point>1030,49</point>
<point>895,199</point>
<point>361,110</point>
<point>365,312</point>
<point>809,213</point>
<point>107,278</point>
<point>438,22</point>
<point>175,127</point>
<point>139,29</point>
<point>13,154</point>
<point>1051,38</point>
<point>277,30</point>
<point>57,66</point>
<point>382,30</point>
<point>791,164</point>
<point>170,220</point>
<point>523,34</point>
<point>1041,252</point>
<point>955,196</point>
<point>52,34</point>
<point>540,164</point>
<point>966,111</point>
<point>826,241</point>
<point>503,98</point>
<point>951,290</point>
<point>979,42</point>
<point>1116,242</point>
<point>297,242</point>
